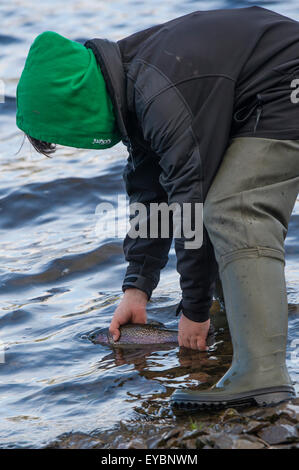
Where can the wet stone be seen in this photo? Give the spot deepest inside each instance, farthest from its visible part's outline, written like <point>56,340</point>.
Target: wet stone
<point>289,410</point>
<point>122,445</point>
<point>230,414</point>
<point>172,433</point>
<point>279,434</point>
<point>253,426</point>
<point>171,444</point>
<point>286,446</point>
<point>190,444</point>
<point>275,427</point>
<point>246,427</point>
<point>247,444</point>
<point>76,441</point>
<point>233,441</point>
<point>220,441</point>
<point>136,444</point>
<point>154,443</point>
<point>193,434</point>
<point>234,428</point>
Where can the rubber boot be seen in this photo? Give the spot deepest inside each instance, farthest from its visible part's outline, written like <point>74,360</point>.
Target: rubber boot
<point>256,306</point>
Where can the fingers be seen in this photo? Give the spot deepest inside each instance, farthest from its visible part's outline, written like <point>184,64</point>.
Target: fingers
<point>114,329</point>
<point>193,334</point>
<point>195,343</point>
<point>201,345</point>
<point>181,341</point>
<point>184,341</point>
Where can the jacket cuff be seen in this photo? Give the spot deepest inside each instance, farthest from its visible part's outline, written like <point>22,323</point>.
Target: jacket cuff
<point>135,280</point>
<point>138,282</point>
<point>198,313</point>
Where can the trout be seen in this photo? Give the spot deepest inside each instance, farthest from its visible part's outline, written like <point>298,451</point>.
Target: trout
<point>141,335</point>
<point>137,334</point>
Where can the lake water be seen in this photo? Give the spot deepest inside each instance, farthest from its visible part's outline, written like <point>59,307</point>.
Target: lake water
<point>60,278</point>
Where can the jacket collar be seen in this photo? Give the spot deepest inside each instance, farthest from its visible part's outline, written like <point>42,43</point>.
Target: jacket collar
<point>109,58</point>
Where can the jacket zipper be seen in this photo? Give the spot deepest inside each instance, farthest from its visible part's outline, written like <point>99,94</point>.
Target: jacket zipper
<point>257,107</point>
<point>131,155</point>
<point>259,111</point>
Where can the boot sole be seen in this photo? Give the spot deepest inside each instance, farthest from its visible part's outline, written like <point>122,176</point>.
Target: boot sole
<point>260,397</point>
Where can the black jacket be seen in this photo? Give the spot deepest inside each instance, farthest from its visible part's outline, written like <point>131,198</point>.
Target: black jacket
<point>181,90</point>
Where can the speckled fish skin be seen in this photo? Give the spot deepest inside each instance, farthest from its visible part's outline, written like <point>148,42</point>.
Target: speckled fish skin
<point>134,334</point>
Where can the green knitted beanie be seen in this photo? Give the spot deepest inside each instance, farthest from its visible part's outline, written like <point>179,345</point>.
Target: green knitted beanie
<point>62,96</point>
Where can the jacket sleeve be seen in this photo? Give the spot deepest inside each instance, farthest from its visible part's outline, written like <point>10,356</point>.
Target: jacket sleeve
<point>146,256</point>
<point>198,271</point>
<point>168,128</point>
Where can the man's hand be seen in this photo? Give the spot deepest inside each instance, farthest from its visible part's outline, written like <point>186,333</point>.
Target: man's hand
<point>193,334</point>
<point>132,309</point>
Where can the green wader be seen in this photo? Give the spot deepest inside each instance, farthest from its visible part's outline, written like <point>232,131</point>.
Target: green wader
<point>246,213</point>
